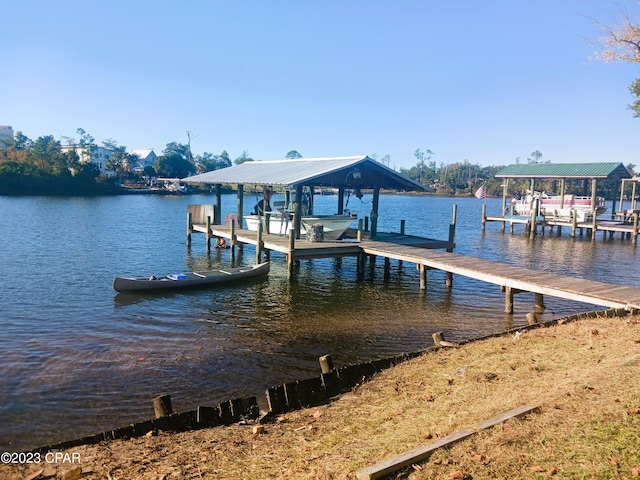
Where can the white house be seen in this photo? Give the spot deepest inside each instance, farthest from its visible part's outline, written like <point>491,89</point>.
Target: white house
<point>6,135</point>
<point>146,158</point>
<point>97,155</point>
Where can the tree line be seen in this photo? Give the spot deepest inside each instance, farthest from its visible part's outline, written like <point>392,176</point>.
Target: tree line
<point>45,166</point>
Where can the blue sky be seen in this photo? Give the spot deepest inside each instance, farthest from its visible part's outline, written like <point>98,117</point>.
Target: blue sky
<point>483,81</point>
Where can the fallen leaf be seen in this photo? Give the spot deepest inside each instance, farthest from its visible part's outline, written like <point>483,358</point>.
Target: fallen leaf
<point>537,468</point>
<point>635,472</point>
<point>457,475</point>
<point>552,471</point>
<point>633,411</point>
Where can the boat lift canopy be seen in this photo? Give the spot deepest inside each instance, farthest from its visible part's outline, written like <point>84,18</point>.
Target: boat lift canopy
<point>563,172</point>
<point>356,172</point>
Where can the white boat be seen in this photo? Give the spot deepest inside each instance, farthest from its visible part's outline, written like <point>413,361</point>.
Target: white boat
<point>333,226</point>
<point>189,279</point>
<point>553,206</point>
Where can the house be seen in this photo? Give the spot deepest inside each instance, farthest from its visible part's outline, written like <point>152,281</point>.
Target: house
<point>146,158</point>
<point>6,135</point>
<point>94,154</point>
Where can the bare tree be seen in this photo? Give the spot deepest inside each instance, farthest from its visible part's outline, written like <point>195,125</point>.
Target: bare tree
<point>619,43</point>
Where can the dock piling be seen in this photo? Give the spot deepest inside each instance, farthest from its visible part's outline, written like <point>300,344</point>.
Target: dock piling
<point>326,364</point>
<point>162,406</point>
<point>189,228</point>
<point>508,299</point>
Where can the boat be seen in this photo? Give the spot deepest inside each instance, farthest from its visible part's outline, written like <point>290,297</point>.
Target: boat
<point>189,279</point>
<point>333,226</point>
<point>553,206</point>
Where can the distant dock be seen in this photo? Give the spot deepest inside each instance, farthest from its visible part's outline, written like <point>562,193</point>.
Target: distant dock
<point>627,225</point>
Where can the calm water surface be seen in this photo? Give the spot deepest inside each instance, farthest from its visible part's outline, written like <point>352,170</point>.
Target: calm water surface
<point>79,359</point>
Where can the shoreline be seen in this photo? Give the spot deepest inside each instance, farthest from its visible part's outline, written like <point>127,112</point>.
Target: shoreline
<point>587,423</point>
<point>286,397</point>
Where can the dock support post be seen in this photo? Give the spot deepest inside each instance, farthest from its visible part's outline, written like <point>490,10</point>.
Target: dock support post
<point>360,265</point>
<point>635,228</point>
<point>484,216</point>
<point>240,208</point>
<point>359,230</point>
<point>511,212</point>
<point>452,237</point>
<point>594,226</point>
<point>574,222</point>
<point>232,241</point>
<point>508,299</point>
<point>374,211</point>
<point>189,228</point>
<point>259,244</point>
<point>539,302</point>
<point>217,215</point>
<point>290,256</point>
<point>423,276</point>
<point>534,217</point>
<point>208,234</point>
<point>402,223</point>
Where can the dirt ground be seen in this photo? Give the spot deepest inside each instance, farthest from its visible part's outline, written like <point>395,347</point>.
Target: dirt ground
<point>582,375</point>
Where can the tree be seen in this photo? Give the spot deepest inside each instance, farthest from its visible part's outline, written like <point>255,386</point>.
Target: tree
<point>424,175</point>
<point>536,157</point>
<point>244,157</point>
<point>174,165</point>
<point>44,152</point>
<point>292,154</point>
<point>176,148</point>
<point>110,143</point>
<point>189,137</point>
<point>208,162</point>
<point>635,90</point>
<point>621,43</point>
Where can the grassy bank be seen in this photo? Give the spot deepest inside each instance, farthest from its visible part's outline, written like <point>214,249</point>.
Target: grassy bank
<point>583,375</point>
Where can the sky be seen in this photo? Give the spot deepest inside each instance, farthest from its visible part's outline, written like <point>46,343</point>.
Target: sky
<point>481,81</point>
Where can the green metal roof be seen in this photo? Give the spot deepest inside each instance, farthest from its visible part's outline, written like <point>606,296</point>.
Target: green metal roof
<point>565,170</point>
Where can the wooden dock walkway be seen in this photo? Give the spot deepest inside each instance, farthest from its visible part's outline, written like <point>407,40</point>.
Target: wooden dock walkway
<point>428,255</point>
<point>513,279</point>
<point>627,228</point>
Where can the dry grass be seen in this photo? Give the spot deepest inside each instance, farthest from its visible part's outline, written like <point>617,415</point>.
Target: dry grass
<point>584,376</point>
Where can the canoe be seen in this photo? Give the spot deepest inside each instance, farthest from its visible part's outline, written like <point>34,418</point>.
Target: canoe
<point>189,279</point>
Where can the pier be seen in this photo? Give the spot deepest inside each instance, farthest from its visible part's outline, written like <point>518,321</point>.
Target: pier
<point>627,226</point>
<point>353,174</point>
<point>428,254</point>
<point>564,213</point>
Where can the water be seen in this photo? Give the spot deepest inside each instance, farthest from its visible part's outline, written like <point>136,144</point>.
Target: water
<point>79,359</point>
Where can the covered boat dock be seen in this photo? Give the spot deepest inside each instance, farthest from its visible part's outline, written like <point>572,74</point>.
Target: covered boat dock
<point>355,173</point>
<point>587,173</point>
<point>363,172</point>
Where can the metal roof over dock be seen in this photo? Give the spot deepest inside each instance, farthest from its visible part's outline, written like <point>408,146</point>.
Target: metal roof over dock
<point>609,170</point>
<point>360,171</point>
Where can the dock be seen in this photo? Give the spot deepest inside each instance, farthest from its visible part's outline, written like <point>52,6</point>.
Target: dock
<point>627,227</point>
<point>428,254</point>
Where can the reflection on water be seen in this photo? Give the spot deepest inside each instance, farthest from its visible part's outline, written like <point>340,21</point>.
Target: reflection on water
<point>79,358</point>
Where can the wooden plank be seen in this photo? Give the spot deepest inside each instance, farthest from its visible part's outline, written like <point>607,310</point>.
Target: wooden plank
<point>417,455</point>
